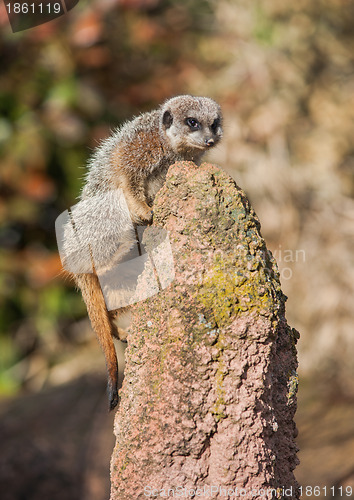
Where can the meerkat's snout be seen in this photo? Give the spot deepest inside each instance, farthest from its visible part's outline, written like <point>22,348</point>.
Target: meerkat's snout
<point>209,142</point>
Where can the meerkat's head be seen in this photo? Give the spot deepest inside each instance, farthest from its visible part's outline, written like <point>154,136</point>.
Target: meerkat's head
<point>191,125</point>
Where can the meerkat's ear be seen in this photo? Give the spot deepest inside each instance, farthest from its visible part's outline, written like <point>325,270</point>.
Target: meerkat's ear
<point>167,119</point>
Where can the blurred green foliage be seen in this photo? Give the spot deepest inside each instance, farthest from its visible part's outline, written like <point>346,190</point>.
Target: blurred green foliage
<point>63,86</point>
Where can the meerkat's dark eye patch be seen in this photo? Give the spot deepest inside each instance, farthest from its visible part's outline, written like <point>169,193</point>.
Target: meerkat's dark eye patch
<point>167,119</point>
<point>193,123</point>
<point>215,125</point>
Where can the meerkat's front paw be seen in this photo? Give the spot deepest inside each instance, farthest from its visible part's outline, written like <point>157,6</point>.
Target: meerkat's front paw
<point>147,215</point>
<point>142,214</point>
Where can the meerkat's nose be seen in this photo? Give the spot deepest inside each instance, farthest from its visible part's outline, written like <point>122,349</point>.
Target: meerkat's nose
<point>209,142</point>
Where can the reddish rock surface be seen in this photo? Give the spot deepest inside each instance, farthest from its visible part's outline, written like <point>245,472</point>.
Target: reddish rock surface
<point>209,394</point>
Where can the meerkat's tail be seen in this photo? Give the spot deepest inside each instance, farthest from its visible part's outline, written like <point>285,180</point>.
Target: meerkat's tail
<point>100,321</point>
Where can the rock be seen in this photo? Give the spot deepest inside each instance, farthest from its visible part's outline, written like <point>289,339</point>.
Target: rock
<point>210,382</point>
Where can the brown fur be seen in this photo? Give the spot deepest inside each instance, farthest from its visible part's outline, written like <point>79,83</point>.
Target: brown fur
<point>102,325</point>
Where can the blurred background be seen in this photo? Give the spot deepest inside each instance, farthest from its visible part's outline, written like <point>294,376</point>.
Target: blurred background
<point>283,73</point>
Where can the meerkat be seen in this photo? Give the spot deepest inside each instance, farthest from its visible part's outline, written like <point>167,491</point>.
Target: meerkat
<point>135,160</point>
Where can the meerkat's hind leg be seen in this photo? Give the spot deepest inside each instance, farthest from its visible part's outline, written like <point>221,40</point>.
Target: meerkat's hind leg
<point>121,319</point>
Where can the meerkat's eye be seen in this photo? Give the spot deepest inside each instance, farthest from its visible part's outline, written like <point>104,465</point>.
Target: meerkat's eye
<point>215,125</point>
<point>193,123</point>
